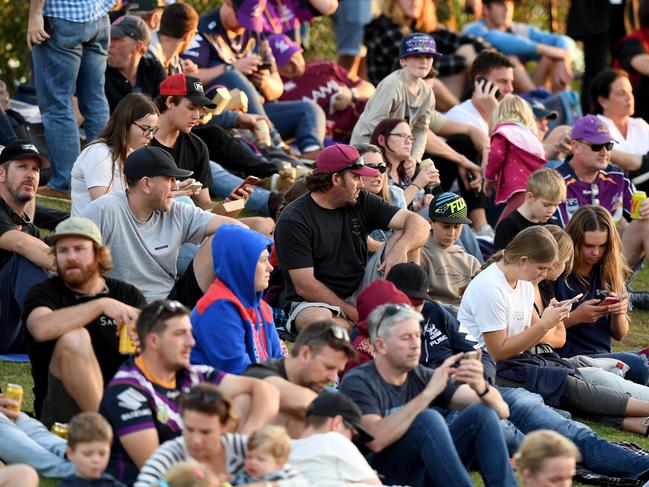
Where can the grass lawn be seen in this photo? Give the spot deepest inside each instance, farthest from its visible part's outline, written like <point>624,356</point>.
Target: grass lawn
<point>638,338</point>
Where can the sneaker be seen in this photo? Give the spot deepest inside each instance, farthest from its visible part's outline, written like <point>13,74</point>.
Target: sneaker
<point>639,299</point>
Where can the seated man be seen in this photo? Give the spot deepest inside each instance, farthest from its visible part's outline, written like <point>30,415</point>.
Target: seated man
<point>319,354</point>
<point>526,42</point>
<point>142,401</point>
<point>178,25</point>
<point>322,238</point>
<point>73,320</point>
<point>233,327</point>
<point>149,226</point>
<point>23,256</point>
<point>128,69</point>
<point>332,422</point>
<point>400,399</point>
<point>326,83</point>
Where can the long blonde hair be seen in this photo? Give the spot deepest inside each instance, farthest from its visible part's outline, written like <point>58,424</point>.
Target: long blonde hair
<point>427,21</point>
<point>513,108</point>
<point>565,246</point>
<point>615,270</point>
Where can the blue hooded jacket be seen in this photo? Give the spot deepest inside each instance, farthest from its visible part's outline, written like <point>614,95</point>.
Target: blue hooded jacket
<point>226,317</point>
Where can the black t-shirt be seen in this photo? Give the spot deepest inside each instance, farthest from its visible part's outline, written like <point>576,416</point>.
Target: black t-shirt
<point>509,228</point>
<point>373,395</point>
<point>190,153</point>
<point>150,73</point>
<point>333,242</point>
<point>7,218</point>
<point>55,295</point>
<point>270,368</point>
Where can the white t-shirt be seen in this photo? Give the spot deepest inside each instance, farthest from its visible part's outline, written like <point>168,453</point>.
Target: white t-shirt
<point>466,112</point>
<point>491,304</point>
<point>637,135</point>
<point>91,169</point>
<point>330,460</point>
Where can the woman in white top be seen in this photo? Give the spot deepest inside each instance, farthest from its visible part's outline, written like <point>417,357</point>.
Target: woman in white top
<point>497,309</point>
<point>98,169</point>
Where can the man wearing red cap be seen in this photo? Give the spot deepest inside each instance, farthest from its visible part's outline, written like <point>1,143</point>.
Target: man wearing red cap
<point>322,238</point>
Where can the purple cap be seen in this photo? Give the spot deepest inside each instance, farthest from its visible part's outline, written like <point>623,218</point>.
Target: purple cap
<point>418,44</point>
<point>591,129</point>
<point>340,157</point>
<point>250,14</point>
<point>283,48</point>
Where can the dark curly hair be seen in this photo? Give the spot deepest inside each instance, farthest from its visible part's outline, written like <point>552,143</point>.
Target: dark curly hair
<point>319,182</point>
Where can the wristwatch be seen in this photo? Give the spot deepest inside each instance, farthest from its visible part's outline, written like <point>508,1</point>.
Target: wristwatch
<point>228,67</point>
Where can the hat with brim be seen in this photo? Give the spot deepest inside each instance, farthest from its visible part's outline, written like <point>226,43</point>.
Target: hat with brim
<point>418,44</point>
<point>591,129</point>
<point>130,26</point>
<point>151,162</point>
<point>188,86</point>
<point>342,157</point>
<point>541,112</point>
<point>19,149</point>
<point>332,404</point>
<point>250,14</point>
<point>410,279</point>
<point>76,226</point>
<point>449,208</point>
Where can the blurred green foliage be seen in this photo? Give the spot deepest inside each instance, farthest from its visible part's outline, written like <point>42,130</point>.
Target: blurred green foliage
<point>15,65</point>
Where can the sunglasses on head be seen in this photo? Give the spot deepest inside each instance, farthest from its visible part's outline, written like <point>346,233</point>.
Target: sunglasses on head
<point>339,333</point>
<point>379,167</point>
<point>598,147</point>
<point>357,164</point>
<point>167,307</point>
<point>196,394</point>
<point>390,310</point>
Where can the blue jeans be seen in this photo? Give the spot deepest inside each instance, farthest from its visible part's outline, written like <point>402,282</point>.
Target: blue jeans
<point>16,278</point>
<point>72,61</point>
<point>434,453</point>
<point>303,120</point>
<point>528,413</point>
<point>28,441</point>
<point>638,368</point>
<point>224,182</point>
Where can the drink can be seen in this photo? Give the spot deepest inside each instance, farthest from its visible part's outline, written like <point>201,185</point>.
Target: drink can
<point>126,346</point>
<point>262,133</point>
<point>60,430</point>
<point>636,203</point>
<point>15,393</point>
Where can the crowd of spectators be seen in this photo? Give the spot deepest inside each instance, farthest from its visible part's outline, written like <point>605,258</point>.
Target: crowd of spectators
<point>437,256</point>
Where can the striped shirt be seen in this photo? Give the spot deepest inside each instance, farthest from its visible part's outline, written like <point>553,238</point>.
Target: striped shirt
<point>77,10</point>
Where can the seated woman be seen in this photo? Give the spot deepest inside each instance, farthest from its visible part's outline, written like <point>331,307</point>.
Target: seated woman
<point>599,272</point>
<point>497,309</point>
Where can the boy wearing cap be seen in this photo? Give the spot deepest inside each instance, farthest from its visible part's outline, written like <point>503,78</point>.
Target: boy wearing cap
<point>332,422</point>
<point>321,238</point>
<point>450,268</point>
<point>128,68</point>
<point>404,94</point>
<point>73,320</point>
<point>24,257</point>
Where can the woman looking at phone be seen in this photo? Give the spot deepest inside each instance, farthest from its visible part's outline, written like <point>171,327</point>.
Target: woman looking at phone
<point>599,272</point>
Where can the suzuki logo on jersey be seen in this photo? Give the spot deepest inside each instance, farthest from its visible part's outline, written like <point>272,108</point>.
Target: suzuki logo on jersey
<point>131,399</point>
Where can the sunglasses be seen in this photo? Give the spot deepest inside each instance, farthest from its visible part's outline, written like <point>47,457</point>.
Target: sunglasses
<point>19,220</point>
<point>390,310</point>
<point>594,194</point>
<point>339,333</point>
<point>598,147</point>
<point>196,394</point>
<point>147,131</point>
<point>379,167</point>
<point>168,307</point>
<point>357,164</point>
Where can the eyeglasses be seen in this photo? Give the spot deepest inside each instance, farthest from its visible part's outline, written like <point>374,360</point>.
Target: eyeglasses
<point>403,136</point>
<point>598,147</point>
<point>379,167</point>
<point>339,333</point>
<point>390,310</point>
<point>147,131</point>
<point>169,307</point>
<point>197,394</point>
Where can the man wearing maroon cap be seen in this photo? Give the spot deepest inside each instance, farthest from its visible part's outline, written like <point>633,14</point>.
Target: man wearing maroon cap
<point>321,239</point>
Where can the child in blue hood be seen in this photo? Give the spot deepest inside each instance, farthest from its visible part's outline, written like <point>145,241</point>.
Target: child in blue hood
<point>232,326</point>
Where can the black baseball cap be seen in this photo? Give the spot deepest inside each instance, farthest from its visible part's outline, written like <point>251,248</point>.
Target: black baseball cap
<point>331,404</point>
<point>540,111</point>
<point>448,208</point>
<point>187,86</point>
<point>151,162</point>
<point>410,279</point>
<point>19,149</point>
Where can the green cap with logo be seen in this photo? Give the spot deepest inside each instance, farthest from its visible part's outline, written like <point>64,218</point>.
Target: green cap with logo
<point>77,226</point>
<point>448,208</point>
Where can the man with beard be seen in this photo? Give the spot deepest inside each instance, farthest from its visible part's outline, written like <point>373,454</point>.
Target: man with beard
<point>73,321</point>
<point>23,256</point>
<point>319,354</point>
<point>321,238</point>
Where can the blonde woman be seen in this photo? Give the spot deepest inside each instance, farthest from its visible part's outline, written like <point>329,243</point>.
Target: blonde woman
<point>516,152</point>
<point>546,458</point>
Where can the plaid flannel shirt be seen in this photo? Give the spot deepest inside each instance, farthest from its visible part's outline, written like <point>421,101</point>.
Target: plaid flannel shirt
<point>77,10</point>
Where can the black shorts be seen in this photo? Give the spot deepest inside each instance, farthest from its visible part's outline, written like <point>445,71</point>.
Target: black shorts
<point>186,290</point>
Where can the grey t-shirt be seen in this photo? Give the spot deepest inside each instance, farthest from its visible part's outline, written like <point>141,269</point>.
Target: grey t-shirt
<point>145,253</point>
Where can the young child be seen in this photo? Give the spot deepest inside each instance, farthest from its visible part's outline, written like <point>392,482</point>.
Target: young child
<point>403,94</point>
<point>268,450</point>
<point>450,268</point>
<point>516,152</point>
<point>546,190</point>
<point>89,440</point>
<point>190,474</point>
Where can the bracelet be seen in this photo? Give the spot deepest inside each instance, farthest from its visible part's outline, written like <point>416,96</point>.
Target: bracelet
<point>418,188</point>
<point>486,390</point>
